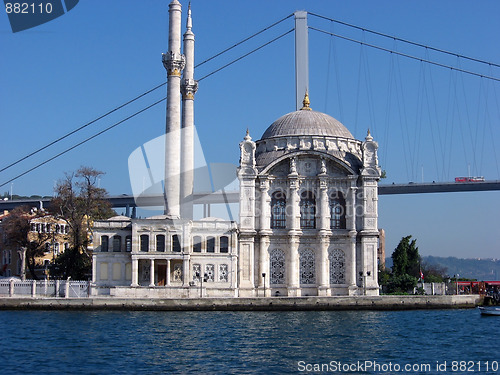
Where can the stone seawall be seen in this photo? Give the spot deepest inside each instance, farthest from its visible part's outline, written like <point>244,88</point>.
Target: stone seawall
<point>244,304</point>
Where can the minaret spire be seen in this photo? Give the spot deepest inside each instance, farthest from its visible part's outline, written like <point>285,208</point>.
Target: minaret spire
<point>174,62</point>
<point>188,87</point>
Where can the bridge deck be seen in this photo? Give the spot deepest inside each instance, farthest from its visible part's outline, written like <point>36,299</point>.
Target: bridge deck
<point>233,196</point>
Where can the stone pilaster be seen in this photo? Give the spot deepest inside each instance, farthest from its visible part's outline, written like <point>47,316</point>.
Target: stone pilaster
<point>322,267</point>
<point>293,266</point>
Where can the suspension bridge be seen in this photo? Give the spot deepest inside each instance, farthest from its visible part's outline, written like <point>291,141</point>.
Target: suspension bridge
<point>476,136</point>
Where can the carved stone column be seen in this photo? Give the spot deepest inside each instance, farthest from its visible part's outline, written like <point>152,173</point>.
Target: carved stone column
<point>322,268</point>
<point>293,267</point>
<point>135,272</point>
<point>152,272</point>
<point>264,266</point>
<point>167,281</point>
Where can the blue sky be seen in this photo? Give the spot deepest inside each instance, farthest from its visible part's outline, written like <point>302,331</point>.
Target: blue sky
<point>428,120</point>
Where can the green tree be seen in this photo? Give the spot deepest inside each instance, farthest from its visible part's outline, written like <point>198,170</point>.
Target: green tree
<point>79,201</point>
<point>406,266</point>
<point>406,259</point>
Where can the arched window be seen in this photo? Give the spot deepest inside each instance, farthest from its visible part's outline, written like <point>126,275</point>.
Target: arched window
<point>196,244</point>
<point>176,243</point>
<point>128,243</point>
<point>337,211</point>
<point>278,210</point>
<point>307,210</point>
<point>144,242</point>
<point>210,244</point>
<point>277,267</point>
<point>160,242</point>
<point>104,243</point>
<point>307,267</point>
<point>337,266</point>
<point>117,244</point>
<point>224,244</point>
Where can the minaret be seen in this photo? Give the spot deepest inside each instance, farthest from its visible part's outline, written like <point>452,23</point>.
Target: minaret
<point>174,62</point>
<point>189,87</point>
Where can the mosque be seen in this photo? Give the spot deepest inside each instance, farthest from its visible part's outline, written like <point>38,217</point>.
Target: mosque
<point>308,206</point>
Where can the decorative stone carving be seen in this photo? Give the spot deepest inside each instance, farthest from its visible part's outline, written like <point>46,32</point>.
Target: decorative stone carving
<point>277,267</point>
<point>174,63</point>
<point>307,267</point>
<point>337,266</point>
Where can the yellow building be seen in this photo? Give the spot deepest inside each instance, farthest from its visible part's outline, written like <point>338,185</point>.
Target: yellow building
<point>53,235</point>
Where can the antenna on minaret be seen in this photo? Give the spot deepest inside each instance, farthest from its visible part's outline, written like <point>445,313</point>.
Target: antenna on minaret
<point>301,57</point>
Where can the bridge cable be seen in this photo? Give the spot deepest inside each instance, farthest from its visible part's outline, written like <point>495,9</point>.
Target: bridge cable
<point>135,99</point>
<point>408,41</point>
<point>136,113</point>
<point>407,55</point>
<point>82,127</point>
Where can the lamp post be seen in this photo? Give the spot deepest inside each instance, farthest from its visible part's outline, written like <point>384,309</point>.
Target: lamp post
<point>204,278</point>
<point>362,278</point>
<point>264,276</point>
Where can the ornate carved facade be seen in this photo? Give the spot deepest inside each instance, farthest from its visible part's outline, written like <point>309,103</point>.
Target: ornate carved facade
<point>308,209</point>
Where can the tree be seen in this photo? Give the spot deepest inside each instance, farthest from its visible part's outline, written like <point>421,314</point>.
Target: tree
<point>406,259</point>
<point>79,201</point>
<point>16,228</point>
<point>406,266</point>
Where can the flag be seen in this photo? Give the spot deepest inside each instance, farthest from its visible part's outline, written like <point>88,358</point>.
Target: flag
<point>421,275</point>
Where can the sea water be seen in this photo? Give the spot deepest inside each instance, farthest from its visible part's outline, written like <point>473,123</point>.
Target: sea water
<point>358,342</point>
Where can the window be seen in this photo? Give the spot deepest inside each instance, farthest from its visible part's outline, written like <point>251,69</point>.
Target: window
<point>337,211</point>
<point>48,228</point>
<point>277,266</point>
<point>196,244</point>
<point>32,227</point>
<point>104,243</point>
<point>224,244</point>
<point>307,267</point>
<point>210,245</point>
<point>278,210</point>
<point>117,244</point>
<point>144,242</point>
<point>307,210</point>
<point>223,273</point>
<point>38,227</point>
<point>160,242</point>
<point>43,228</point>
<point>57,228</point>
<point>56,248</point>
<point>128,243</point>
<point>337,267</point>
<point>209,272</point>
<point>197,272</point>
<point>176,243</point>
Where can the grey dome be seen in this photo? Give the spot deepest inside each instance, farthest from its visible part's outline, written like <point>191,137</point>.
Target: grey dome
<point>307,122</point>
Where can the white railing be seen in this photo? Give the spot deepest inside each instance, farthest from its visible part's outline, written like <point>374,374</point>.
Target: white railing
<point>44,288</point>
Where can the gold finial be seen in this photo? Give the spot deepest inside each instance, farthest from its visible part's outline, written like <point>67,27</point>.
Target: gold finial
<point>306,103</point>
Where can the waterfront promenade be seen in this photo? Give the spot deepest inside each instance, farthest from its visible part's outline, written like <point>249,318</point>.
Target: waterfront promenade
<point>244,304</point>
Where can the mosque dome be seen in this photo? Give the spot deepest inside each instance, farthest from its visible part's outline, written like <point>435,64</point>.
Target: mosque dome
<point>306,122</point>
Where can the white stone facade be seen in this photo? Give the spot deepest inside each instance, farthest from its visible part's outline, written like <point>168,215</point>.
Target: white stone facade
<point>308,211</point>
<point>156,257</point>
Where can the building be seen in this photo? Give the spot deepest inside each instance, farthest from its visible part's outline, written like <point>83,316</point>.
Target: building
<point>47,233</point>
<point>308,210</point>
